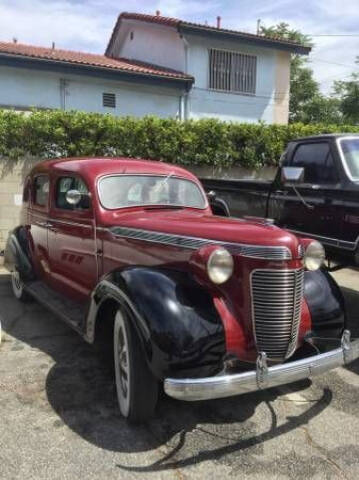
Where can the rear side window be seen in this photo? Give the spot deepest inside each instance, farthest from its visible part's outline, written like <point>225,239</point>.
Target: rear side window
<point>317,160</point>
<point>41,190</point>
<point>26,191</point>
<point>65,184</point>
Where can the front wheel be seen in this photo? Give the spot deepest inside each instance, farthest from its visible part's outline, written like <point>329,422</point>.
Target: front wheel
<point>18,287</point>
<point>137,388</point>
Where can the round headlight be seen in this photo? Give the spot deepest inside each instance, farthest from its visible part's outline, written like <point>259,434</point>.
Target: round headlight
<point>220,265</point>
<point>314,256</point>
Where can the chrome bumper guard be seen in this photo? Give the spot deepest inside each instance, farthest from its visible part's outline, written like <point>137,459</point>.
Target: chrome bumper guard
<point>191,389</point>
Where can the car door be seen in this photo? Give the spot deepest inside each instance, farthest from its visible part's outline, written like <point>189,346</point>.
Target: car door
<point>38,215</point>
<point>72,252</point>
<point>309,207</point>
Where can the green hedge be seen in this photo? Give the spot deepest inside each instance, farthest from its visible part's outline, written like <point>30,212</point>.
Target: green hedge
<point>47,134</point>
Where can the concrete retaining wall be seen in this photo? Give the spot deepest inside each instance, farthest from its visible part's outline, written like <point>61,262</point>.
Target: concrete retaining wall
<point>11,185</point>
<point>10,201</point>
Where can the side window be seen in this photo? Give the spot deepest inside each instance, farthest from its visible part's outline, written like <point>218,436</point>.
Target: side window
<point>26,191</point>
<point>41,190</point>
<point>64,184</point>
<point>318,162</point>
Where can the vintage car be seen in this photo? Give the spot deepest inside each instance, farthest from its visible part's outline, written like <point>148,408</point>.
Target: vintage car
<point>208,306</point>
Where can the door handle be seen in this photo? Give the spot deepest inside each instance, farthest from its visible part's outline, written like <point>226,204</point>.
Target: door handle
<point>42,224</point>
<point>51,227</point>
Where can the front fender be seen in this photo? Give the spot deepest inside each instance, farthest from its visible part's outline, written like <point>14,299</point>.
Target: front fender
<point>175,318</point>
<point>17,254</point>
<point>326,304</point>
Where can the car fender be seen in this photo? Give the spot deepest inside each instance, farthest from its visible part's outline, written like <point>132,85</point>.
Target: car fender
<point>325,302</point>
<point>175,318</point>
<point>17,254</point>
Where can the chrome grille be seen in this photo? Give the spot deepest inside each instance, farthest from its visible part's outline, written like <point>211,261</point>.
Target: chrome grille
<point>276,309</point>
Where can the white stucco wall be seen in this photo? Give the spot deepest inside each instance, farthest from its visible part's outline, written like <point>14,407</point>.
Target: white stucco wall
<point>25,88</point>
<point>231,106</point>
<point>164,46</point>
<point>151,43</point>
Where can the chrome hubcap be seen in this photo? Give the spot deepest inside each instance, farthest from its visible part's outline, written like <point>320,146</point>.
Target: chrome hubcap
<point>17,284</point>
<point>123,361</point>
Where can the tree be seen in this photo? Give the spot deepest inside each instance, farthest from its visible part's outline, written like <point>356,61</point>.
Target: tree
<point>303,87</point>
<point>347,93</point>
<point>322,109</point>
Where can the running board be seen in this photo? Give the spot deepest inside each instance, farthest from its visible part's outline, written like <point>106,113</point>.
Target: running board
<point>69,311</point>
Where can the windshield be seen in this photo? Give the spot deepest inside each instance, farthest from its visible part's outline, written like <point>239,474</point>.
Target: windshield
<point>350,150</point>
<point>120,191</point>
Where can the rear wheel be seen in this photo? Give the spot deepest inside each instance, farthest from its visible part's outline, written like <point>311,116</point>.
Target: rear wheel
<point>18,287</point>
<point>137,388</point>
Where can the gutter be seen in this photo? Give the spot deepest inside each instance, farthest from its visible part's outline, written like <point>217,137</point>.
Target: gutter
<point>200,30</point>
<point>61,65</point>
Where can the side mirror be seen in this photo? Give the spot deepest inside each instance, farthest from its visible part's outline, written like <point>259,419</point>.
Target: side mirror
<point>211,195</point>
<point>73,197</point>
<point>292,174</point>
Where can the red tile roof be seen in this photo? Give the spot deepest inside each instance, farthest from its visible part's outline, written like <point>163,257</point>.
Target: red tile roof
<point>177,23</point>
<point>90,59</point>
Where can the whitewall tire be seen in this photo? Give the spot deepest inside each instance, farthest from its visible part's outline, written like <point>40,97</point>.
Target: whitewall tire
<point>18,287</point>
<point>136,387</point>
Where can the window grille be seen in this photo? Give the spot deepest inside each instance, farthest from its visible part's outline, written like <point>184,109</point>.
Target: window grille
<point>232,72</point>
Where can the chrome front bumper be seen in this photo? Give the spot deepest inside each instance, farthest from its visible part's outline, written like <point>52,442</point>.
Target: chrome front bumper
<point>263,377</point>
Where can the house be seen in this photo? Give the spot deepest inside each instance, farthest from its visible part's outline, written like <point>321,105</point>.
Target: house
<point>156,65</point>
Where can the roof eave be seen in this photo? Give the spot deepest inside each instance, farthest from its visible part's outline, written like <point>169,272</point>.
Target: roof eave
<point>25,61</point>
<point>262,41</point>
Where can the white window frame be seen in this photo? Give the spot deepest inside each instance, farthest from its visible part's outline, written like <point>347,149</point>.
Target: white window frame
<point>231,53</point>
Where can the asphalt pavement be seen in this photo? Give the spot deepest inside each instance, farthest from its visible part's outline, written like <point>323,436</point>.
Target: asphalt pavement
<point>59,418</point>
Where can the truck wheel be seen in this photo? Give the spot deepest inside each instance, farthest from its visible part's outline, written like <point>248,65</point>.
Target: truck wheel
<point>18,287</point>
<point>137,388</point>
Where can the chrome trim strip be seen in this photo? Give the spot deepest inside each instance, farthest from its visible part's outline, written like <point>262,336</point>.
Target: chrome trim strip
<point>193,389</point>
<point>252,251</point>
<point>68,222</point>
<point>64,222</point>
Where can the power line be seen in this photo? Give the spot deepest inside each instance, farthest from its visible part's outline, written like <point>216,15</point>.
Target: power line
<point>334,35</point>
<point>334,63</point>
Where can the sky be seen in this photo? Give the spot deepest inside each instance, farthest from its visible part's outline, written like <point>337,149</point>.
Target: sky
<point>86,25</point>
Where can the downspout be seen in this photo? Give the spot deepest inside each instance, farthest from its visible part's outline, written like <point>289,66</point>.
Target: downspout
<point>184,97</point>
<point>63,85</point>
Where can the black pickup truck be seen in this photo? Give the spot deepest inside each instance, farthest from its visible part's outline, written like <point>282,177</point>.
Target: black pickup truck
<point>315,193</point>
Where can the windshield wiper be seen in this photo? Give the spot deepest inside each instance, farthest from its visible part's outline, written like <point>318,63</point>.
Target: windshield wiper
<point>164,207</point>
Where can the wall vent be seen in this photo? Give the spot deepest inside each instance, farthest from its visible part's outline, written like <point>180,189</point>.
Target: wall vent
<point>109,100</point>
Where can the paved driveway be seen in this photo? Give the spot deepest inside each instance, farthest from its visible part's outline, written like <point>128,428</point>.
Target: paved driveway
<point>59,419</point>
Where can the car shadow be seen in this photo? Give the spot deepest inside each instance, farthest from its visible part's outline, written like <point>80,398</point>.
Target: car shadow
<point>80,389</point>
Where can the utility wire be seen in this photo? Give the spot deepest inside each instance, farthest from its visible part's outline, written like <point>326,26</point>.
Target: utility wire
<point>334,35</point>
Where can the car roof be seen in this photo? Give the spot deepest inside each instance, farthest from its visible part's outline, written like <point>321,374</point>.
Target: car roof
<point>325,136</point>
<point>91,168</point>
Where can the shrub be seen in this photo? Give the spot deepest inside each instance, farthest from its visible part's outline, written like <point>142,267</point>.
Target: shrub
<point>46,134</point>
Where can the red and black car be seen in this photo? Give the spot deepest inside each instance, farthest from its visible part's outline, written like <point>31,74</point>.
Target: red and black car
<point>209,306</point>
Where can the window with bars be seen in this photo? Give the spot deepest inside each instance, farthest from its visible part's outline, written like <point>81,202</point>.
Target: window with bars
<point>109,100</point>
<point>232,72</point>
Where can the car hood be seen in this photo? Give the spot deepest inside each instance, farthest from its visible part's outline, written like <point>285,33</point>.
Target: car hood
<point>201,225</point>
